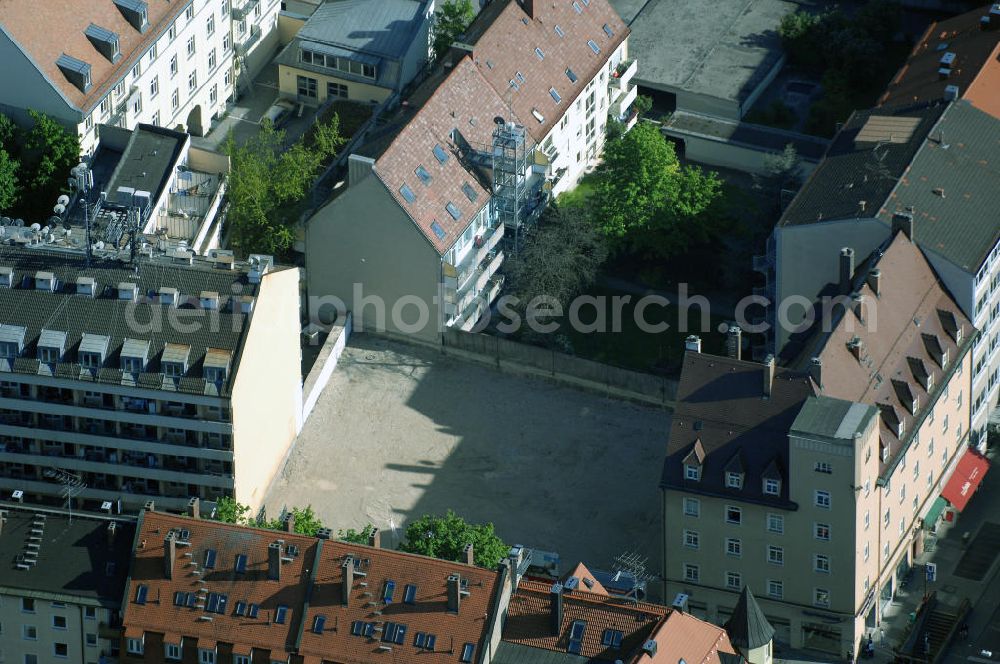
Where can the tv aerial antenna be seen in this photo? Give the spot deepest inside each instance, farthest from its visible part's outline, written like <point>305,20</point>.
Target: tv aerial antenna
<point>72,485</point>
<point>632,564</point>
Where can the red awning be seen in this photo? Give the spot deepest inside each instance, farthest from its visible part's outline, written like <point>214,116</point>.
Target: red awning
<point>965,480</point>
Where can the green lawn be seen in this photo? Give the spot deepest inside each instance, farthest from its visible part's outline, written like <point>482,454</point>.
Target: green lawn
<point>578,196</point>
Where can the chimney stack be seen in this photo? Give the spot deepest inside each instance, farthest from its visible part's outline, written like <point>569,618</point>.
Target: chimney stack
<point>855,345</point>
<point>150,506</point>
<point>693,343</point>
<point>858,306</point>
<point>375,538</point>
<point>194,507</point>
<point>515,556</point>
<point>454,594</point>
<point>903,221</point>
<point>112,528</point>
<point>169,555</point>
<point>274,561</point>
<point>875,281</point>
<point>734,341</point>
<point>470,557</point>
<point>846,269</point>
<point>816,371</point>
<point>528,6</point>
<point>556,609</point>
<point>347,583</point>
<point>288,522</point>
<point>768,375</point>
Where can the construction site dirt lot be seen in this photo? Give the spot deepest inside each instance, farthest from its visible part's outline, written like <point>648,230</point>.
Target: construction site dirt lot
<point>403,431</point>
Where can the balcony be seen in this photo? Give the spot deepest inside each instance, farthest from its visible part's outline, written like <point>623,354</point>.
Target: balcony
<point>243,10</point>
<point>621,106</point>
<point>487,269</point>
<point>493,287</point>
<point>622,76</point>
<point>243,47</point>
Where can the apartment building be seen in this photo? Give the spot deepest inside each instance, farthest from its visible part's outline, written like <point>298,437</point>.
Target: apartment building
<point>157,380</point>
<point>254,35</point>
<point>62,586</point>
<point>515,113</point>
<point>118,62</point>
<point>335,56</point>
<point>925,167</point>
<point>816,484</point>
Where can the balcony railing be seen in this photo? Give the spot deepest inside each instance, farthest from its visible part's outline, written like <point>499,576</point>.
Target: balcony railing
<point>244,46</point>
<point>243,10</point>
<point>622,75</point>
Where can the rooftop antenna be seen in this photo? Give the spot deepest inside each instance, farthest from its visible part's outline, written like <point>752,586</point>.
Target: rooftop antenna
<point>83,182</point>
<point>634,565</point>
<point>72,486</point>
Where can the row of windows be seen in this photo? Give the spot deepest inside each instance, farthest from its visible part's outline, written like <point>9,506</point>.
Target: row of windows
<point>345,65</point>
<point>734,515</point>
<point>775,588</point>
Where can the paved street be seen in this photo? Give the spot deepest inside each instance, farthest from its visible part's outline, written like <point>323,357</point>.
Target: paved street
<point>402,431</point>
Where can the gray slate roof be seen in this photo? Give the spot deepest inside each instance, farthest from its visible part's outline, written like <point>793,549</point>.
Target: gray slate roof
<point>963,225</point>
<point>833,418</point>
<point>379,27</point>
<point>147,161</point>
<point>747,627</point>
<point>106,315</point>
<point>72,556</point>
<point>515,653</point>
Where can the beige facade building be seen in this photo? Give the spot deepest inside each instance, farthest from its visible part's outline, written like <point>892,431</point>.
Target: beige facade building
<point>816,485</point>
<point>172,378</point>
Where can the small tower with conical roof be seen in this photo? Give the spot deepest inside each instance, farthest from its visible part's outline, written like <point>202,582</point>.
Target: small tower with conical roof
<point>749,631</point>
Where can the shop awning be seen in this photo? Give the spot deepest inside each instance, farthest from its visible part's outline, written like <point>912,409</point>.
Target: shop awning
<point>934,512</point>
<point>965,480</point>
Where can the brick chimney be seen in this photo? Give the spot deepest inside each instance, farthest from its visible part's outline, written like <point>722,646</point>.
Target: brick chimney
<point>194,507</point>
<point>734,341</point>
<point>470,554</point>
<point>375,538</point>
<point>150,506</point>
<point>288,522</point>
<point>768,375</point>
<point>347,582</point>
<point>274,561</point>
<point>454,592</point>
<point>528,6</point>
<point>856,346</point>
<point>846,269</point>
<point>903,221</point>
<point>875,281</point>
<point>169,555</point>
<point>556,609</point>
<point>816,371</point>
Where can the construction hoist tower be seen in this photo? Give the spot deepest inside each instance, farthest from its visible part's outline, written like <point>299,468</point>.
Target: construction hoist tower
<point>510,169</point>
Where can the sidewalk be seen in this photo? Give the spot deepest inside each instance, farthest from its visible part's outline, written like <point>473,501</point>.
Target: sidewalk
<point>948,551</point>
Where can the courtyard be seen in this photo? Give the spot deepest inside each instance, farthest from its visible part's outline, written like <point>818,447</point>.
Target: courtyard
<point>401,431</point>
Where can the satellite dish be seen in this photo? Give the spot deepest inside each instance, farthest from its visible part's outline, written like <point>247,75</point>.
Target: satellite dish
<point>59,208</point>
<point>45,230</point>
<point>63,200</point>
<point>36,227</point>
<point>498,120</point>
<point>5,221</point>
<point>99,245</point>
<point>55,221</point>
<point>19,223</point>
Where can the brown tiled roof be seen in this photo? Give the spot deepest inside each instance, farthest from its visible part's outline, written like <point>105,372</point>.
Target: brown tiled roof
<point>721,407</point>
<point>586,577</point>
<point>976,69</point>
<point>310,586</point>
<point>897,333</point>
<point>46,30</point>
<point>677,635</point>
<point>508,46</point>
<point>465,103</point>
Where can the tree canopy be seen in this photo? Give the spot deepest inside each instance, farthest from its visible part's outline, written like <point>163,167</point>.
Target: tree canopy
<point>228,510</point>
<point>450,20</point>
<point>356,536</point>
<point>445,537</point>
<point>9,183</point>
<point>34,164</point>
<point>645,200</point>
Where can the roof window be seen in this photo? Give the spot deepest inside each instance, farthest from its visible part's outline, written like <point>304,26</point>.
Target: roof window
<point>141,593</point>
<point>440,154</point>
<point>319,622</point>
<point>560,31</point>
<point>241,563</point>
<point>577,7</point>
<point>241,609</point>
<point>390,590</point>
<point>520,77</point>
<point>422,173</point>
<point>438,231</point>
<point>539,53</point>
<point>6,277</point>
<point>571,75</point>
<point>538,116</point>
<point>467,650</point>
<point>210,556</point>
<point>608,31</point>
<point>253,610</point>
<point>455,213</point>
<point>407,194</point>
<point>593,46</point>
<point>469,192</point>
<point>105,41</point>
<point>612,638</point>
<point>76,71</point>
<point>280,614</point>
<point>409,594</point>
<point>555,95</point>
<point>576,637</point>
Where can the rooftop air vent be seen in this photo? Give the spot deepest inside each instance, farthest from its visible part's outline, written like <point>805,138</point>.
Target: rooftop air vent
<point>259,266</point>
<point>104,41</point>
<point>76,71</point>
<point>168,296</point>
<point>209,300</point>
<point>128,291</point>
<point>86,286</point>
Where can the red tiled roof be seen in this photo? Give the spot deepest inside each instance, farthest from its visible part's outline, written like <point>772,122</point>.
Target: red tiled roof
<point>46,30</point>
<point>507,47</point>
<point>976,65</point>
<point>310,585</point>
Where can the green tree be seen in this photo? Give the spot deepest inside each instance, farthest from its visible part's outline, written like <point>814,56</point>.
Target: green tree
<point>228,510</point>
<point>50,151</point>
<point>7,132</point>
<point>450,21</point>
<point>306,521</point>
<point>642,105</point>
<point>9,189</point>
<point>326,137</point>
<point>445,537</point>
<point>356,536</point>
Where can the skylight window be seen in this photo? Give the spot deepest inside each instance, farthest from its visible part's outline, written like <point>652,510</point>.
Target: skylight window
<point>438,231</point>
<point>577,7</point>
<point>538,116</point>
<point>520,77</point>
<point>409,594</point>
<point>539,53</point>
<point>141,593</point>
<point>608,31</point>
<point>593,46</point>
<point>455,213</point>
<point>280,614</point>
<point>555,95</point>
<point>612,638</point>
<point>571,75</point>
<point>586,2</point>
<point>560,31</point>
<point>469,192</point>
<point>576,637</point>
<point>441,155</point>
<point>210,559</point>
<point>422,173</point>
<point>514,84</point>
<point>407,194</point>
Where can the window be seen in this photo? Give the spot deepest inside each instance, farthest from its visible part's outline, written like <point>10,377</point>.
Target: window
<point>821,531</point>
<point>692,572</point>
<point>59,622</point>
<point>691,539</point>
<point>467,651</point>
<point>887,518</point>
<point>240,563</point>
<point>594,47</point>
<point>227,78</point>
<point>90,613</point>
<point>192,81</point>
<point>154,87</point>
<point>134,646</point>
<point>306,86</point>
<point>91,640</point>
<point>211,60</point>
<point>29,632</point>
<point>560,31</point>
<point>389,591</point>
<point>867,551</point>
<point>141,592</point>
<point>821,597</point>
<point>152,52</point>
<point>172,32</point>
<point>213,94</point>
<point>225,43</point>
<point>189,14</point>
<point>555,95</point>
<point>210,25</point>
<point>734,547</point>
<point>137,104</point>
<point>692,507</point>
<point>27,605</point>
<point>823,467</point>
<point>173,65</point>
<point>105,106</point>
<point>823,499</point>
<point>336,90</point>
<point>612,638</point>
<point>734,480</point>
<point>453,211</point>
<point>775,555</point>
<point>775,523</point>
<point>241,659</point>
<point>571,75</point>
<point>539,53</point>
<point>136,71</point>
<point>821,563</point>
<point>30,659</point>
<point>206,656</point>
<point>868,519</point>
<point>734,515</point>
<point>692,473</point>
<point>280,614</point>
<point>733,581</point>
<point>772,487</point>
<point>171,651</point>
<point>407,193</point>
<point>409,594</point>
<point>440,154</point>
<point>60,649</point>
<point>775,589</point>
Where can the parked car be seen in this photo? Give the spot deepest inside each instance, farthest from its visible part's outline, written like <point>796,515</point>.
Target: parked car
<point>279,113</point>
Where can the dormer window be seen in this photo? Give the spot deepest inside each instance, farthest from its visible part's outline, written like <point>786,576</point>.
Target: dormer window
<point>216,365</point>
<point>93,350</point>
<point>6,277</point>
<point>134,354</point>
<point>105,41</point>
<point>174,361</point>
<point>51,346</point>
<point>692,473</point>
<point>135,12</point>
<point>45,281</point>
<point>209,300</point>
<point>128,291</point>
<point>734,480</point>
<point>11,341</point>
<point>86,286</point>
<point>75,70</point>
<point>168,296</point>
<point>772,487</point>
